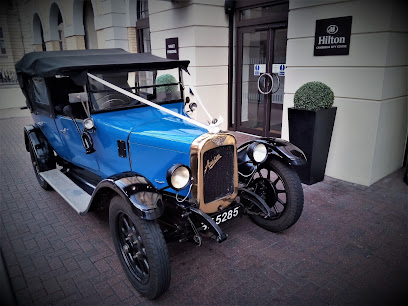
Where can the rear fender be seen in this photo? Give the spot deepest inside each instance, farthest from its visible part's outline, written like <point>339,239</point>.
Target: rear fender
<point>144,199</point>
<point>34,138</point>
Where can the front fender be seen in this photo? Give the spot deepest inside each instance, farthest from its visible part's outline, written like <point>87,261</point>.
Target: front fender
<point>277,148</point>
<point>287,151</point>
<point>144,199</point>
<point>290,153</point>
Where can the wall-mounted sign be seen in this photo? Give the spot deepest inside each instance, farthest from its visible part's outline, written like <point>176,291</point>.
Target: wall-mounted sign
<point>332,36</point>
<point>279,69</point>
<point>172,49</point>
<point>259,68</point>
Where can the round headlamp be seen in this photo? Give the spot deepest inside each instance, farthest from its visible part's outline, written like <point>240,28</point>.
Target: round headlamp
<point>89,123</point>
<point>257,152</point>
<point>178,177</point>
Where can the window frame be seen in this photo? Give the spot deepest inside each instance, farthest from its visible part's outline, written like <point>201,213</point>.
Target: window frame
<point>154,86</point>
<point>2,41</point>
<point>141,25</point>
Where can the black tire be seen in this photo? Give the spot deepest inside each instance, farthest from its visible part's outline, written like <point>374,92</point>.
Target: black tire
<point>141,249</point>
<point>279,185</point>
<point>37,169</point>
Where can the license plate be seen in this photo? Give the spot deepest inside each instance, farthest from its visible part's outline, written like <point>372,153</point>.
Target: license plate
<point>225,216</point>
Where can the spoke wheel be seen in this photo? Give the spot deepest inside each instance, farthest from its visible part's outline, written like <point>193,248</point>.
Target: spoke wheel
<point>132,248</point>
<point>279,186</point>
<point>141,249</point>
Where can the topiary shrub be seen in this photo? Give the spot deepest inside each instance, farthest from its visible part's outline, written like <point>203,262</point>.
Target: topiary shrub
<point>314,96</point>
<point>166,79</point>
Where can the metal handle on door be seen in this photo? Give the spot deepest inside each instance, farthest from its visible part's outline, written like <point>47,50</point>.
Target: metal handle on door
<point>270,90</point>
<point>63,131</point>
<point>259,87</point>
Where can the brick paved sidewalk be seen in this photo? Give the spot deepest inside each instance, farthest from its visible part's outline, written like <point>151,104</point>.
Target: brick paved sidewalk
<point>348,247</point>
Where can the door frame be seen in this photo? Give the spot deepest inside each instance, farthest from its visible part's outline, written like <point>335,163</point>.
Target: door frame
<point>270,28</point>
<point>278,20</point>
<point>239,64</point>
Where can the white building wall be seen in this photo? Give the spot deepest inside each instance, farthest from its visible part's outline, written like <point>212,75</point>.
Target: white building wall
<point>110,23</point>
<point>370,84</point>
<point>202,31</point>
<point>13,31</point>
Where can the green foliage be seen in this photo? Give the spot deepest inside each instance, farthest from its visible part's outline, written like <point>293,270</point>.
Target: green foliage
<point>166,79</point>
<point>314,96</point>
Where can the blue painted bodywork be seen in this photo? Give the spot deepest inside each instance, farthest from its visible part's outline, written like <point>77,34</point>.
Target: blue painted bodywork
<point>73,149</point>
<point>48,127</point>
<point>155,141</point>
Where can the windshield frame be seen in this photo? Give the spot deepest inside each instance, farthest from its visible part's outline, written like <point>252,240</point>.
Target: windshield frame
<point>139,104</point>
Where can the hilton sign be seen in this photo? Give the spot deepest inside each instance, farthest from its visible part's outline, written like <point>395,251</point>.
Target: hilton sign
<point>332,36</point>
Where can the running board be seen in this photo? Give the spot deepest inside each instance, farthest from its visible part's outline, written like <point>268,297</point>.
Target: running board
<point>71,192</point>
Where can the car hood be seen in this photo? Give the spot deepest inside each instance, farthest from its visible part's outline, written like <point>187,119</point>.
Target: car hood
<point>155,141</point>
<point>151,127</point>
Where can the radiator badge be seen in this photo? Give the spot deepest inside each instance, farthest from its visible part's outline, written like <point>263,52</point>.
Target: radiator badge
<point>211,164</point>
<point>219,140</point>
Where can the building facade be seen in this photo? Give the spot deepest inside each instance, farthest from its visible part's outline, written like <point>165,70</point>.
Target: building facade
<point>248,58</point>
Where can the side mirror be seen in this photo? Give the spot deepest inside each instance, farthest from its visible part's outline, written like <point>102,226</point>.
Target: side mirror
<point>67,111</point>
<point>78,97</point>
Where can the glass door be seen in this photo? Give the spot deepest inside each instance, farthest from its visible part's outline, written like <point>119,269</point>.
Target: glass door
<point>260,79</point>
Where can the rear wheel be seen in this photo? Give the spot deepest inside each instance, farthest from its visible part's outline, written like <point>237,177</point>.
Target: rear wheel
<point>141,248</point>
<point>279,186</point>
<point>36,166</point>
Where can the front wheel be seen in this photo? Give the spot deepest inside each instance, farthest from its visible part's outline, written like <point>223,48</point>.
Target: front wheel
<point>279,185</point>
<point>141,248</point>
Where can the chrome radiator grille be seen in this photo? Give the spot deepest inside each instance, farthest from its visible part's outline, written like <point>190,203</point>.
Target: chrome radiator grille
<point>218,173</point>
<point>213,162</point>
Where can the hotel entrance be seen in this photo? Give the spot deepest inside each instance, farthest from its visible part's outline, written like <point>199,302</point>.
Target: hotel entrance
<point>260,68</point>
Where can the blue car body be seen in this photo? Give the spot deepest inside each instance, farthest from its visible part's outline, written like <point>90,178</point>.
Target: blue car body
<point>162,176</point>
<point>154,141</point>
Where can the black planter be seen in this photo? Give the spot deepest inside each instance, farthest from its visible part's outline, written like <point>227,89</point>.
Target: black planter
<point>311,131</point>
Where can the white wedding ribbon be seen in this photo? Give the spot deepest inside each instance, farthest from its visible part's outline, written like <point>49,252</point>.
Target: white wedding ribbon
<point>212,128</point>
<point>198,98</point>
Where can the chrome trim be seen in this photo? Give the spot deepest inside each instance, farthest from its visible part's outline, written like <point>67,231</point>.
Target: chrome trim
<point>200,145</point>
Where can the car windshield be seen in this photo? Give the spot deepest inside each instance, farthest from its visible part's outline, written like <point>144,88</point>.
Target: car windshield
<point>156,86</point>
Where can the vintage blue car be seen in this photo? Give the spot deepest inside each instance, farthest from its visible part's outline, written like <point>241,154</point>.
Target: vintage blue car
<point>112,130</point>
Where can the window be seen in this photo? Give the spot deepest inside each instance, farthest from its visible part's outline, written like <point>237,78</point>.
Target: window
<point>60,39</point>
<point>156,86</point>
<point>91,39</point>
<point>2,42</point>
<point>60,30</point>
<point>142,27</point>
<point>143,40</point>
<point>142,9</point>
<point>270,11</point>
<point>38,95</point>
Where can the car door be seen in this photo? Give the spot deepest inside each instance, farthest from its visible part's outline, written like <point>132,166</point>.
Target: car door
<point>42,112</point>
<point>74,151</point>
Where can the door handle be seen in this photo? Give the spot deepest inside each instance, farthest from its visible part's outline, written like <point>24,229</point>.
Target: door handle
<point>272,83</point>
<point>259,86</point>
<point>63,131</point>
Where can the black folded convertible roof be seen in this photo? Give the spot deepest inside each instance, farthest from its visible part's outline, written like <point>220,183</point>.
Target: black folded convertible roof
<point>76,63</point>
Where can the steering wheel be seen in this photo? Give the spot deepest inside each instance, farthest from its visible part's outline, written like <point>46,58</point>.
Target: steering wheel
<point>117,101</point>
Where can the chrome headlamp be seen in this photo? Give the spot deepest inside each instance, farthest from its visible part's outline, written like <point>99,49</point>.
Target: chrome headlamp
<point>257,152</point>
<point>178,177</point>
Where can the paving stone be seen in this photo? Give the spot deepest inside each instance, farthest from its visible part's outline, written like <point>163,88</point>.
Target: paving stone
<point>349,246</point>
